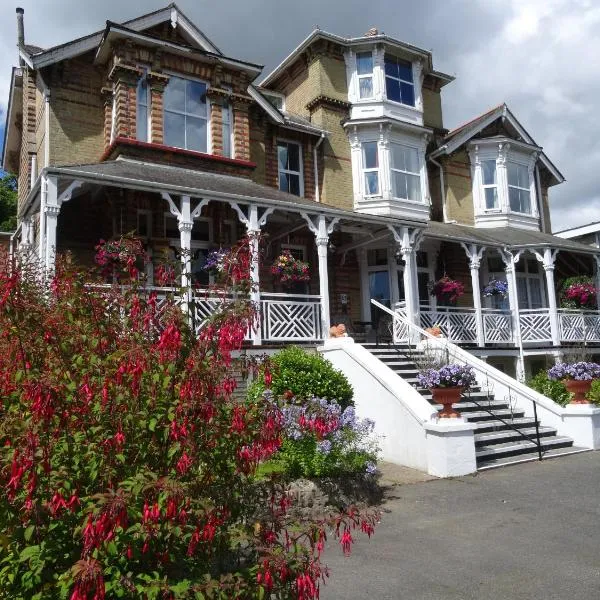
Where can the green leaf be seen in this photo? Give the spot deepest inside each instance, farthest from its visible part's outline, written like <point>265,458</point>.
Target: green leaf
<point>152,424</point>
<point>29,532</point>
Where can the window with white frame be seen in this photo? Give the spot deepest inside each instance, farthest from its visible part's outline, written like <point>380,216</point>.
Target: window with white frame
<point>529,284</point>
<point>399,80</point>
<point>371,168</point>
<point>518,188</point>
<point>143,107</point>
<point>364,68</point>
<point>144,223</point>
<point>186,114</point>
<point>406,178</point>
<point>489,183</point>
<point>289,162</point>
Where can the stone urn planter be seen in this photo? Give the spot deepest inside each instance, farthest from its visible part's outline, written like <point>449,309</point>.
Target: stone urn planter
<point>579,389</point>
<point>447,396</point>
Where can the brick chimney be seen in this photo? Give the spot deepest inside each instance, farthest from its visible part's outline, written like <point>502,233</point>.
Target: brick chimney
<point>20,32</point>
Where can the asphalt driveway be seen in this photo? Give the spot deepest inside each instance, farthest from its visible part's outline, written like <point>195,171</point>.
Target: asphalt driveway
<point>529,531</point>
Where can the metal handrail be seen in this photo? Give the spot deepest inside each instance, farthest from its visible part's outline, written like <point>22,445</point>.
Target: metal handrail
<point>490,372</point>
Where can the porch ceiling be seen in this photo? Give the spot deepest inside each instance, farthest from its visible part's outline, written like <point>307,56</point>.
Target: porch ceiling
<point>157,178</point>
<point>504,237</point>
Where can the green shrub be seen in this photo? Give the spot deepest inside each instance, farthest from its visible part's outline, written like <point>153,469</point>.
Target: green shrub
<point>594,393</point>
<point>555,390</point>
<point>306,375</point>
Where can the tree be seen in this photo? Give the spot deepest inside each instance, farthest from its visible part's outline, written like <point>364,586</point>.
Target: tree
<point>8,202</point>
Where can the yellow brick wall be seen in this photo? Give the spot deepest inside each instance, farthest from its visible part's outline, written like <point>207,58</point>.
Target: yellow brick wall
<point>76,112</point>
<point>335,168</point>
<point>459,191</point>
<point>432,109</point>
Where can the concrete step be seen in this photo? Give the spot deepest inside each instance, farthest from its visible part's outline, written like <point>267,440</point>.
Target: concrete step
<point>506,461</point>
<point>492,438</point>
<point>485,453</point>
<point>482,415</point>
<point>470,407</point>
<point>496,425</point>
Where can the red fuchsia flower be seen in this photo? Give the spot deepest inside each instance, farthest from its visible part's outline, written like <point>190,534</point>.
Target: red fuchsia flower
<point>184,464</point>
<point>169,343</point>
<point>88,578</point>
<point>268,378</point>
<point>448,290</point>
<point>238,423</point>
<point>346,541</point>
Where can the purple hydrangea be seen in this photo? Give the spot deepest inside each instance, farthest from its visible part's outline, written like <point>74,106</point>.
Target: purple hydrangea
<point>370,468</point>
<point>580,371</point>
<point>448,376</point>
<point>324,447</point>
<point>496,287</point>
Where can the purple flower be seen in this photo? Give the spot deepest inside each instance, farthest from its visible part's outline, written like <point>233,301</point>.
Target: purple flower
<point>580,371</point>
<point>448,376</point>
<point>496,287</point>
<point>324,447</point>
<point>370,468</point>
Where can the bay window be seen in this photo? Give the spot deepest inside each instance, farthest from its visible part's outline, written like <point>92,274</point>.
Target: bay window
<point>185,114</point>
<point>371,168</point>
<point>364,67</point>
<point>406,178</point>
<point>289,163</point>
<point>489,181</point>
<point>518,188</point>
<point>399,80</point>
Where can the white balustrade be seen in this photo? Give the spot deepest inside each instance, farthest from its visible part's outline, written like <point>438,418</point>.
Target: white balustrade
<point>291,317</point>
<point>497,327</point>
<point>579,325</point>
<point>458,325</point>
<point>536,325</point>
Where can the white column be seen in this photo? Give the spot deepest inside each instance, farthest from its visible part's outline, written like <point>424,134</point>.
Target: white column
<point>408,240</point>
<point>393,267</point>
<point>26,233</point>
<point>42,231</point>
<point>547,259</point>
<point>321,227</point>
<point>474,254</point>
<point>51,212</point>
<point>510,260</point>
<point>253,228</point>
<point>185,223</point>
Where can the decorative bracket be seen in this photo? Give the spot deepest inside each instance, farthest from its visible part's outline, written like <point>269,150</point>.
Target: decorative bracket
<point>320,227</point>
<point>68,193</point>
<point>255,220</point>
<point>474,254</point>
<point>408,238</point>
<point>547,258</point>
<point>177,213</point>
<point>509,258</point>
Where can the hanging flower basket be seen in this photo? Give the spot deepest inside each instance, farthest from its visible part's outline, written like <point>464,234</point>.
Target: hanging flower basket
<point>496,287</point>
<point>448,291</point>
<point>579,292</point>
<point>216,260</point>
<point>288,269</point>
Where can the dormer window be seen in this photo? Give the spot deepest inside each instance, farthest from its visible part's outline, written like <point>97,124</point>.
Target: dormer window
<point>364,67</point>
<point>185,114</point>
<point>504,186</point>
<point>399,81</point>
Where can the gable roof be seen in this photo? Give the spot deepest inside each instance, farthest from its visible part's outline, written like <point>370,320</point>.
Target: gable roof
<point>461,135</point>
<point>318,34</point>
<point>87,43</point>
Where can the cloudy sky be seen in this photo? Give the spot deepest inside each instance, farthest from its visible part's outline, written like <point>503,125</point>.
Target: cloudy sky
<point>542,57</point>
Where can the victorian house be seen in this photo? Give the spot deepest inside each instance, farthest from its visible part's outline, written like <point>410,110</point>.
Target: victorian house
<point>339,155</point>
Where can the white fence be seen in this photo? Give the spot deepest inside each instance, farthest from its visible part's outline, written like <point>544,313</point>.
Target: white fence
<point>459,325</point>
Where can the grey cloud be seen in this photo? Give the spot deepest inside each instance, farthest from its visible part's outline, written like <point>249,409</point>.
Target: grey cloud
<point>495,59</point>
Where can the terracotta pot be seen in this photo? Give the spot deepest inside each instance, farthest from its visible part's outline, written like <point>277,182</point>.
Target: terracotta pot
<point>447,396</point>
<point>579,389</point>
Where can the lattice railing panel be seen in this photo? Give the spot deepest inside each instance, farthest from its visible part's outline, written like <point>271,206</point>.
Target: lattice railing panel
<point>535,326</point>
<point>579,326</point>
<point>287,320</point>
<point>458,326</point>
<point>497,328</point>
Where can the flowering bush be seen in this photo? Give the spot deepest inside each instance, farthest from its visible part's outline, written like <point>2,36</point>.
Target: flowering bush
<point>289,269</point>
<point>579,371</point>
<point>321,439</point>
<point>553,389</point>
<point>579,292</point>
<point>217,260</point>
<point>448,376</point>
<point>111,256</point>
<point>496,287</point>
<point>305,375</point>
<point>126,466</point>
<point>447,291</point>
